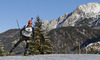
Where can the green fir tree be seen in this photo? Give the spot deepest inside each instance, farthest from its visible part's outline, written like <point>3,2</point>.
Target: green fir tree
<point>41,43</point>
<point>1,50</point>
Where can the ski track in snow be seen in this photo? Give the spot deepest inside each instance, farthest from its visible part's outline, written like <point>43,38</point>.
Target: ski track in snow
<point>54,57</point>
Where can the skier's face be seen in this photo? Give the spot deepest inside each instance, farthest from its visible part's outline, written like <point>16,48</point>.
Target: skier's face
<point>30,24</point>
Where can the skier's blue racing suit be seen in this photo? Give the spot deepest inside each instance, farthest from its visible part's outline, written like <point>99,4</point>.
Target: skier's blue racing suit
<point>25,33</point>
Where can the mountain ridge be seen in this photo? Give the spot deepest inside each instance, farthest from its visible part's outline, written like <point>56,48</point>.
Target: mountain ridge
<point>90,11</point>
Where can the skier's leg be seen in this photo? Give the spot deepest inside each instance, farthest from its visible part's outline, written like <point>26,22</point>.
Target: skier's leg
<point>27,45</point>
<point>26,48</point>
<point>16,45</point>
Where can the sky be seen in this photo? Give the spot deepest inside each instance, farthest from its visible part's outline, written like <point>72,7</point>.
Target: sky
<point>23,10</point>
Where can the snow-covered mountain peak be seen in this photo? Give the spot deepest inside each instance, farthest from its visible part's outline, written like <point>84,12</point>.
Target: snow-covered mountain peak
<point>82,15</point>
<point>89,8</point>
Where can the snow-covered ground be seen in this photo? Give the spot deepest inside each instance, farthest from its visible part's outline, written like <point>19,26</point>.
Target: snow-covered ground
<point>54,57</point>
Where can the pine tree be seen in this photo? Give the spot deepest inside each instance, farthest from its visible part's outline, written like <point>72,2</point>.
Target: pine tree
<point>1,50</point>
<point>41,43</point>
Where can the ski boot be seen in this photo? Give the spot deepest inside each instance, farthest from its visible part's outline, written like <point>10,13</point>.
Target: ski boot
<point>39,48</point>
<point>25,52</point>
<point>12,50</point>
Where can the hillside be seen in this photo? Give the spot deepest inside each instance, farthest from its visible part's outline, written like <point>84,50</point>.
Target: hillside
<point>9,38</point>
<point>64,39</point>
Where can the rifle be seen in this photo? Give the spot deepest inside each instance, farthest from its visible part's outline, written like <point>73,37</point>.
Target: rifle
<point>17,24</point>
<point>31,19</point>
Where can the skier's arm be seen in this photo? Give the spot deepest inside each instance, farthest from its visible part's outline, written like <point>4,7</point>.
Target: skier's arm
<point>22,30</point>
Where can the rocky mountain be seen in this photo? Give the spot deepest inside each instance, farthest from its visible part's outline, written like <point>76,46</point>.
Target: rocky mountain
<point>49,25</point>
<point>90,11</point>
<point>93,48</point>
<point>9,38</point>
<point>66,39</point>
<point>96,23</point>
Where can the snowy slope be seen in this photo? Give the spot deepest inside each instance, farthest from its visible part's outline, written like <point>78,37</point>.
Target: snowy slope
<point>54,57</point>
